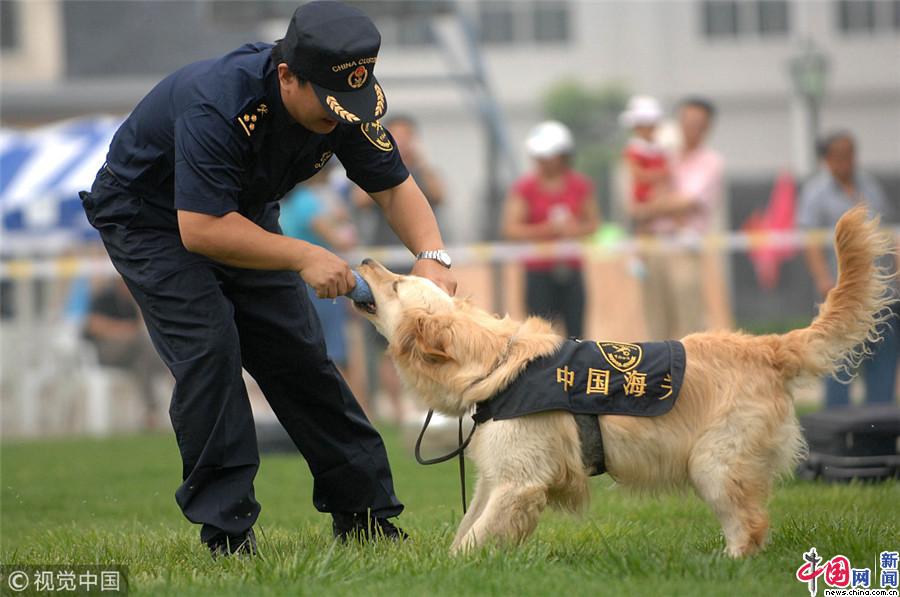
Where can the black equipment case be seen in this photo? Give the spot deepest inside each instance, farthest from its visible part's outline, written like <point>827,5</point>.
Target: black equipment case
<point>852,443</point>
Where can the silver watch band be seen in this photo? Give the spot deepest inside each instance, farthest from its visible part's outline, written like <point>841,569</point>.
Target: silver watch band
<point>439,255</point>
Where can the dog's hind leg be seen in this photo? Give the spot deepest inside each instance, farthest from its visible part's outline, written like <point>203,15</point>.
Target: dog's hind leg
<point>510,516</point>
<point>476,508</point>
<point>736,488</point>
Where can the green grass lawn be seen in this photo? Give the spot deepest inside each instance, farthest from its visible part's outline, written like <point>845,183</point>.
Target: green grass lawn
<point>111,501</point>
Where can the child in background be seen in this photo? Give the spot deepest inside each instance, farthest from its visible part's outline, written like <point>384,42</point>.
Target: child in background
<point>646,159</point>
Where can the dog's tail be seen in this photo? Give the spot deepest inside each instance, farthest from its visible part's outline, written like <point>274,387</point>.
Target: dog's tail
<point>855,310</point>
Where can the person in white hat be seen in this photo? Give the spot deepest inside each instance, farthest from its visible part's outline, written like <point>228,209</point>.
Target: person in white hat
<point>553,202</point>
<point>648,166</point>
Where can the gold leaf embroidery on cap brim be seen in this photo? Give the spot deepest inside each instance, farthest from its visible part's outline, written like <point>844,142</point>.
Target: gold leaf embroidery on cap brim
<point>379,103</point>
<point>340,111</point>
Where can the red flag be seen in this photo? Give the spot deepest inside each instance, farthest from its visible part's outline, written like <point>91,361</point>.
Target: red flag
<point>777,217</point>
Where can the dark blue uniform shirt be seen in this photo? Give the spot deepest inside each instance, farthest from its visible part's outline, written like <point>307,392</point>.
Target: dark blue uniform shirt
<point>214,137</point>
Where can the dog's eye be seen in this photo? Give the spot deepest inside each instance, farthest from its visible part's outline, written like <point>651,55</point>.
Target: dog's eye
<point>394,286</point>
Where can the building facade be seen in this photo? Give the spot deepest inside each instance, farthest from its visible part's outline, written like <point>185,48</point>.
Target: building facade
<point>65,58</point>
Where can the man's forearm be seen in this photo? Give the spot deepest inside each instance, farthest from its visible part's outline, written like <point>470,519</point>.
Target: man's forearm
<point>410,216</point>
<point>234,240</point>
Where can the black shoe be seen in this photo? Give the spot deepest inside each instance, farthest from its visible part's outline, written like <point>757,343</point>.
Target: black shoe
<point>364,527</point>
<point>226,545</point>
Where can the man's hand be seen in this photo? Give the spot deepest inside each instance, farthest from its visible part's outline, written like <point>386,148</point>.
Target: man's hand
<point>437,273</point>
<point>328,274</point>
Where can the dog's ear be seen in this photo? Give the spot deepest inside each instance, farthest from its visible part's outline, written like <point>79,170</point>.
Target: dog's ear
<point>426,336</point>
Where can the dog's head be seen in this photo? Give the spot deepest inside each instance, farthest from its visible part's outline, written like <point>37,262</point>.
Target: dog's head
<point>453,353</point>
<point>413,313</point>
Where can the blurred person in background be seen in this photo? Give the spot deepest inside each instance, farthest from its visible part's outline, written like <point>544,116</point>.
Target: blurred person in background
<point>552,202</point>
<point>186,206</point>
<point>838,186</point>
<point>315,213</point>
<point>645,158</point>
<point>113,325</point>
<point>380,369</point>
<point>676,286</point>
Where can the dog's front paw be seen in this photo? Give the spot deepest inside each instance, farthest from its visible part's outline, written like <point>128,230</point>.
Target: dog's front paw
<point>463,545</point>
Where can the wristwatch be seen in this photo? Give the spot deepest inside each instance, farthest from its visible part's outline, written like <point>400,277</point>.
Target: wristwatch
<point>439,255</point>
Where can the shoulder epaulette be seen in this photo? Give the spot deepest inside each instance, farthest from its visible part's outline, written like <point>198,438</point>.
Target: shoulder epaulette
<point>252,117</point>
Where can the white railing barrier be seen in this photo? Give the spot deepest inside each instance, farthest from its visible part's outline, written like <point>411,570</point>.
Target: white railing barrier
<point>481,253</point>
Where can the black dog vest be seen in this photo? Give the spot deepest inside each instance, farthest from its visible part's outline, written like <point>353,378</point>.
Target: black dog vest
<point>594,378</point>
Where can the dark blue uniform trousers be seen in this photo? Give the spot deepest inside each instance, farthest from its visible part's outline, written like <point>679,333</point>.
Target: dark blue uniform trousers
<point>207,320</point>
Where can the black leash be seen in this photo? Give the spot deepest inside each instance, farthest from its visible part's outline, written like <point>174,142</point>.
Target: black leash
<point>460,451</point>
<point>481,415</point>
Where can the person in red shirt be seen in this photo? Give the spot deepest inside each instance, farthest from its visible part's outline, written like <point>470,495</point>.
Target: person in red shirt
<point>553,202</point>
<point>647,163</point>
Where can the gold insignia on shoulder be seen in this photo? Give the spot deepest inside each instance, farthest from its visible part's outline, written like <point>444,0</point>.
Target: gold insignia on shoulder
<point>248,120</point>
<point>339,110</point>
<point>620,355</point>
<point>376,135</point>
<point>357,77</point>
<point>243,120</point>
<point>379,101</point>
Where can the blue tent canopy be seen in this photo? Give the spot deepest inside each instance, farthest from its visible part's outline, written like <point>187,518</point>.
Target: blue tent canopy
<point>41,172</point>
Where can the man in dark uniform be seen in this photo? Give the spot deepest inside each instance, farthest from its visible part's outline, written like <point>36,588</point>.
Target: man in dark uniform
<point>187,208</point>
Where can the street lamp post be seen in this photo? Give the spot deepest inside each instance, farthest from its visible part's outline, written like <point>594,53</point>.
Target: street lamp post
<point>808,71</point>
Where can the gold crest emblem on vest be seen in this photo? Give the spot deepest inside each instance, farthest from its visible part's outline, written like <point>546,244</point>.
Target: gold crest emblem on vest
<point>357,77</point>
<point>620,355</point>
<point>376,135</point>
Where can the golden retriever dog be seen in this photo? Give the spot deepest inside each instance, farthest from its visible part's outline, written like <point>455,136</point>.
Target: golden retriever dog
<point>731,432</point>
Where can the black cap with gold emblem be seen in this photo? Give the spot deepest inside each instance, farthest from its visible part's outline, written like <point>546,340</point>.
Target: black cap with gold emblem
<point>334,46</point>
